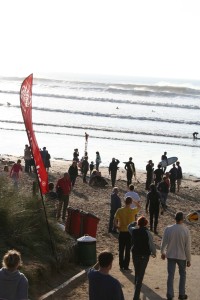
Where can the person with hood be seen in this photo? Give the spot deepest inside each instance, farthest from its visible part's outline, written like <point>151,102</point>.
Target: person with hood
<point>13,283</point>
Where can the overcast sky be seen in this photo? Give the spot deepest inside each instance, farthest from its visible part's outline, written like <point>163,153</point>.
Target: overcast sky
<point>154,38</point>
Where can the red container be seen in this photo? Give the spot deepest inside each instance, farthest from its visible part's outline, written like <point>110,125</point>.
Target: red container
<point>89,224</point>
<point>73,225</point>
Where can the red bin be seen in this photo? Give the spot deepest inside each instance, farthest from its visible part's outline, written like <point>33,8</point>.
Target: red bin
<point>73,225</point>
<point>89,225</point>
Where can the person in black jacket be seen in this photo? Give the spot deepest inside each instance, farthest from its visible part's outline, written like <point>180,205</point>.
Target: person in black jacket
<point>149,169</point>
<point>84,168</point>
<point>130,169</point>
<point>113,167</point>
<point>73,172</point>
<point>179,175</point>
<point>142,248</point>
<point>153,203</point>
<point>173,177</point>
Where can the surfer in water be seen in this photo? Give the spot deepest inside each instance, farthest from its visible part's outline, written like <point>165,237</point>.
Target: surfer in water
<point>164,157</point>
<point>195,135</point>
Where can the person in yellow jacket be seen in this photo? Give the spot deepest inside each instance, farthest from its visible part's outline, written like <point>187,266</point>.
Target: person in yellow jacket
<point>123,217</point>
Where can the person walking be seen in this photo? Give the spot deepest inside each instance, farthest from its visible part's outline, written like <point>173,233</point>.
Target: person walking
<point>63,189</point>
<point>130,171</point>
<point>73,172</point>
<point>114,205</point>
<point>158,175</point>
<point>101,284</point>
<point>14,172</point>
<point>113,167</point>
<point>98,160</point>
<point>142,248</point>
<point>179,175</point>
<point>123,217</point>
<point>13,283</point>
<point>131,193</point>
<point>176,247</point>
<point>153,203</point>
<point>163,188</point>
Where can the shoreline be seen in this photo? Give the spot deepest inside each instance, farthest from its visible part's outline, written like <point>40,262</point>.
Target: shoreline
<point>121,173</point>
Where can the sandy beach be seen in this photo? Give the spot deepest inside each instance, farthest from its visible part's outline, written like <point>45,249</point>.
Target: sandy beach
<point>97,201</point>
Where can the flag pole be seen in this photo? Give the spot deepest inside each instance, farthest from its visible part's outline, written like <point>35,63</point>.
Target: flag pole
<point>42,176</point>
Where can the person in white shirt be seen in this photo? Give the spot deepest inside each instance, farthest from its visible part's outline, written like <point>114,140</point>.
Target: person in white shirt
<point>131,193</point>
<point>176,247</point>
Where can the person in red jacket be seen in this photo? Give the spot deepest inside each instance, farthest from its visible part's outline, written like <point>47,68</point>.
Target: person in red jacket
<point>14,172</point>
<point>63,189</point>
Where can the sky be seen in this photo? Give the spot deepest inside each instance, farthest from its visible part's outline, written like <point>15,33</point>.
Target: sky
<point>150,38</point>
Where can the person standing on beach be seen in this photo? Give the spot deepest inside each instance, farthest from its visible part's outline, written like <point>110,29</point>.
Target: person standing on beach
<point>130,171</point>
<point>46,158</point>
<point>91,167</point>
<point>13,283</point>
<point>73,172</point>
<point>158,174</point>
<point>163,188</point>
<point>123,217</point>
<point>164,158</point>
<point>101,284</point>
<point>173,177</point>
<point>113,167</point>
<point>63,189</point>
<point>114,205</point>
<point>98,160</point>
<point>85,168</point>
<point>142,247</point>
<point>149,169</point>
<point>153,203</point>
<point>27,158</point>
<point>76,155</point>
<point>179,175</point>
<point>14,172</point>
<point>176,247</point>
<point>131,193</point>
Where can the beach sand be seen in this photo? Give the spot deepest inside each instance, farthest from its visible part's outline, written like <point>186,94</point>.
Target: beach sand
<point>97,201</point>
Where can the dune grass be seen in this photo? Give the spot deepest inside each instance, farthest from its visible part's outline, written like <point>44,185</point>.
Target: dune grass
<point>23,227</point>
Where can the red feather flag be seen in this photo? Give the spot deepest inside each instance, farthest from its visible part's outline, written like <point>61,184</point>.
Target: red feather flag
<point>26,108</point>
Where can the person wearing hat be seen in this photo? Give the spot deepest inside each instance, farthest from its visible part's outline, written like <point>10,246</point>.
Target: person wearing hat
<point>142,247</point>
<point>176,247</point>
<point>113,167</point>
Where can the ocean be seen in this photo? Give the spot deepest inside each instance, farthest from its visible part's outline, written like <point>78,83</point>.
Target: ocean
<point>137,117</point>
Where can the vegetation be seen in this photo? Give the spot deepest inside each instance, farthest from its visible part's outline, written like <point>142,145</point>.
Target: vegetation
<point>23,226</point>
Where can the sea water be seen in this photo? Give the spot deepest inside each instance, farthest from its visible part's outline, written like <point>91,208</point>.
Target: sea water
<point>124,117</point>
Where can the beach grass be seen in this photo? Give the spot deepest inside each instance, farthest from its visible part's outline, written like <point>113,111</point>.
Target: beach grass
<point>23,226</point>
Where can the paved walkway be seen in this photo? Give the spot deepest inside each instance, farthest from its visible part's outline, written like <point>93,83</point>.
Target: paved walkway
<point>154,283</point>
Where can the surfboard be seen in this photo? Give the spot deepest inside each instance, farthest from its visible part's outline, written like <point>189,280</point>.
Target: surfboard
<point>193,217</point>
<point>170,161</point>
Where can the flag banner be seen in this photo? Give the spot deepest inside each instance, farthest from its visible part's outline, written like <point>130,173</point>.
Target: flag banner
<point>26,108</point>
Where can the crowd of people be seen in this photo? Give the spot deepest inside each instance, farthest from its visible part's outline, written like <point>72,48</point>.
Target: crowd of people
<point>134,236</point>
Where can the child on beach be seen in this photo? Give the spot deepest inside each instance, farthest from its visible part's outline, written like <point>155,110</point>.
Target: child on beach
<point>14,172</point>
